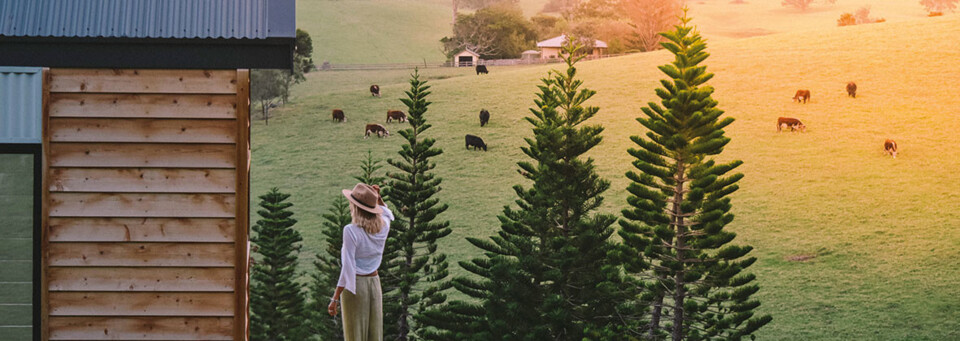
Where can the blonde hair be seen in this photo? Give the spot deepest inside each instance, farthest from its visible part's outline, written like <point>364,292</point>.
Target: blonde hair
<point>372,223</point>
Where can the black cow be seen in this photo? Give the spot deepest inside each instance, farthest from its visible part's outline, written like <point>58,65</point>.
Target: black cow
<point>482,69</point>
<point>484,117</point>
<point>374,90</point>
<point>476,142</point>
<point>338,115</point>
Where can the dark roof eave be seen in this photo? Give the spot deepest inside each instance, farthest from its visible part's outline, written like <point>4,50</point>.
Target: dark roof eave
<point>148,53</point>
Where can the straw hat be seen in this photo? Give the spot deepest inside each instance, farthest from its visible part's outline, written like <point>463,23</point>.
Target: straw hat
<point>365,197</point>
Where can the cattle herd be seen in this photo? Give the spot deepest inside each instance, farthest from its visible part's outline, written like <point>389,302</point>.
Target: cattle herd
<point>803,95</point>
<point>396,115</point>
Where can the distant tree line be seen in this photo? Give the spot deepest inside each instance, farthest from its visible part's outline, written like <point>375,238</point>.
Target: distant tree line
<point>270,87</point>
<point>498,29</point>
<point>554,269</point>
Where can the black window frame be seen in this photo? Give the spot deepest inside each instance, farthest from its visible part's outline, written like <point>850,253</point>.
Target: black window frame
<point>35,149</point>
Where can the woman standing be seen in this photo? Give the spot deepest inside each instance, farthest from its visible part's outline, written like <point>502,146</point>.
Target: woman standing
<point>363,242</point>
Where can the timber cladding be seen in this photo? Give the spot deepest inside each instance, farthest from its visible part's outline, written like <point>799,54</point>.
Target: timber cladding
<point>146,194</point>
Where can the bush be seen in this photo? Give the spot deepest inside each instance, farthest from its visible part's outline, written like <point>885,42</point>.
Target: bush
<point>846,19</point>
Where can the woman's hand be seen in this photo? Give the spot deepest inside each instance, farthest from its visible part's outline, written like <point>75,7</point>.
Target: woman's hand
<point>379,197</point>
<point>332,308</point>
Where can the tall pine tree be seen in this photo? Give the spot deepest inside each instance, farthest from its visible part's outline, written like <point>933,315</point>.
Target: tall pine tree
<point>326,272</point>
<point>679,206</point>
<point>413,273</point>
<point>546,275</point>
<point>277,298</point>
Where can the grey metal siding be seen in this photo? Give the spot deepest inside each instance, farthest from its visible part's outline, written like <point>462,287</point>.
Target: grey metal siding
<point>241,19</point>
<point>21,97</point>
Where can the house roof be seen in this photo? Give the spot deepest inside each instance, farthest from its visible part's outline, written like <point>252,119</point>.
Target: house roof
<point>469,51</point>
<point>559,40</point>
<point>196,33</point>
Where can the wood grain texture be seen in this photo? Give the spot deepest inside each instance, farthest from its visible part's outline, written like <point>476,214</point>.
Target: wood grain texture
<point>141,279</point>
<point>140,304</point>
<point>142,230</point>
<point>142,180</point>
<point>142,130</point>
<point>142,254</point>
<point>142,155</point>
<point>142,205</point>
<point>144,81</point>
<point>242,276</point>
<point>141,328</point>
<point>45,209</point>
<point>143,106</point>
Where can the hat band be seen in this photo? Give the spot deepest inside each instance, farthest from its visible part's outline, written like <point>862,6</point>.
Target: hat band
<point>361,202</point>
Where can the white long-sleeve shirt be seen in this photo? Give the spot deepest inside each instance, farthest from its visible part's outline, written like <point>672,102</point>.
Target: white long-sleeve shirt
<point>362,252</point>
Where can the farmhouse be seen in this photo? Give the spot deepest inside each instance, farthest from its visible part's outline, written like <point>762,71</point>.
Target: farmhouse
<point>124,165</point>
<point>550,48</point>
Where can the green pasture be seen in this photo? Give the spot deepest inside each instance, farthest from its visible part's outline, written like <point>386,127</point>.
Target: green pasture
<point>879,237</point>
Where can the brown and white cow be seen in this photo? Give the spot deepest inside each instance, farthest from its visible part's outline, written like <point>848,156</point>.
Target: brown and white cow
<point>792,123</point>
<point>396,115</point>
<point>890,147</point>
<point>338,115</point>
<point>374,128</point>
<point>852,89</point>
<point>802,95</point>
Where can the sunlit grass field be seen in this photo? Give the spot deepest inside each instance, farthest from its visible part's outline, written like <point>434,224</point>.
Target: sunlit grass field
<point>883,233</point>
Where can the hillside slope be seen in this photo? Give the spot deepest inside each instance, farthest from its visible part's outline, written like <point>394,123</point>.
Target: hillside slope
<point>884,233</point>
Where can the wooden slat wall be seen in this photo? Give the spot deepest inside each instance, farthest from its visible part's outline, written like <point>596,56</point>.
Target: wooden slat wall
<point>146,194</point>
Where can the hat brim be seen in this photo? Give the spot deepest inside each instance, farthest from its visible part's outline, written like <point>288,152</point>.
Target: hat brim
<point>348,194</point>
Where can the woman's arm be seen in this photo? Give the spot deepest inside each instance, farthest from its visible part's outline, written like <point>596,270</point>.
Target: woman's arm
<point>332,308</point>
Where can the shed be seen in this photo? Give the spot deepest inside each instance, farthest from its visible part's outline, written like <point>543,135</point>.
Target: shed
<point>124,165</point>
<point>550,48</point>
<point>530,55</point>
<point>466,58</point>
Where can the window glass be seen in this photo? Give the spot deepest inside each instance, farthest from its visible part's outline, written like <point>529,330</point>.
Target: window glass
<point>16,246</point>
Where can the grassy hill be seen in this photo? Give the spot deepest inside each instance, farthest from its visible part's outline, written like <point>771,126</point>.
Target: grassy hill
<point>882,235</point>
<point>381,31</point>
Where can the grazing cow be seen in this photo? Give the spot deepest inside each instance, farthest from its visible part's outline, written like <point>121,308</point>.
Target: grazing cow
<point>802,95</point>
<point>890,147</point>
<point>792,123</point>
<point>375,90</point>
<point>482,69</point>
<point>338,115</point>
<point>476,142</point>
<point>484,117</point>
<point>375,129</point>
<point>396,115</point>
<point>852,89</point>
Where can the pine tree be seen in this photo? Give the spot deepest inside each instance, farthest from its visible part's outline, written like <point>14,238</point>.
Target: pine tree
<point>326,272</point>
<point>277,299</point>
<point>368,169</point>
<point>546,275</point>
<point>679,206</point>
<point>413,273</point>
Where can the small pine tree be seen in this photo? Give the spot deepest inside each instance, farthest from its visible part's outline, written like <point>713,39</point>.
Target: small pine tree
<point>413,273</point>
<point>368,170</point>
<point>277,299</point>
<point>546,275</point>
<point>327,273</point>
<point>679,206</point>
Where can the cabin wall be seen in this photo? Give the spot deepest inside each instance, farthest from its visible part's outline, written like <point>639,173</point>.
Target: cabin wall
<point>146,200</point>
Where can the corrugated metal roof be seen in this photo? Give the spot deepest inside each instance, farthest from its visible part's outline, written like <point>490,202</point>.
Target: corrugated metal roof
<point>21,90</point>
<point>559,40</point>
<point>247,19</point>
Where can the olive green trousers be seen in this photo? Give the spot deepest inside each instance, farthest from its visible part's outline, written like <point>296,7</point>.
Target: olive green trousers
<point>363,311</point>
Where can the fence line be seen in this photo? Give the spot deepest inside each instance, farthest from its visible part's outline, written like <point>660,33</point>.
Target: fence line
<point>489,62</point>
